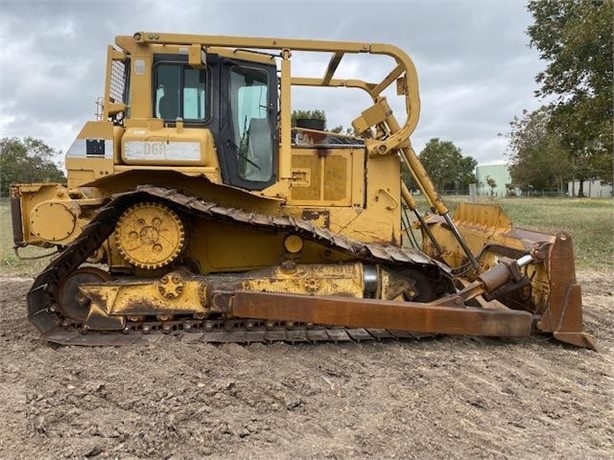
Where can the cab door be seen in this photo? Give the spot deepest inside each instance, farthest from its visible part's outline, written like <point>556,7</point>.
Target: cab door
<point>248,124</point>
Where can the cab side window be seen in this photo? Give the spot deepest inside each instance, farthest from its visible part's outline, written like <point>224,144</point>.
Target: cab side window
<point>180,92</point>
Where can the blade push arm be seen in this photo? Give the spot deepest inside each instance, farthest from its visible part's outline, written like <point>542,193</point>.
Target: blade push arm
<point>447,315</point>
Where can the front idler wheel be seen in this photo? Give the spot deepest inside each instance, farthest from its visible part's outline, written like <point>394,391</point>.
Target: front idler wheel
<point>72,303</point>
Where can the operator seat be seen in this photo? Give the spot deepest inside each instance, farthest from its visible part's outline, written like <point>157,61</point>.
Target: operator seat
<point>167,108</point>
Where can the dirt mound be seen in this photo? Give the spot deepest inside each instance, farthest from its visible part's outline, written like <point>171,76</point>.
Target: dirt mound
<point>446,398</point>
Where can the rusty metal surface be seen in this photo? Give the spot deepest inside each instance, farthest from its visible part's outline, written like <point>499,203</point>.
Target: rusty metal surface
<point>16,221</point>
<point>564,315</point>
<point>300,334</point>
<point>381,314</point>
<point>548,287</point>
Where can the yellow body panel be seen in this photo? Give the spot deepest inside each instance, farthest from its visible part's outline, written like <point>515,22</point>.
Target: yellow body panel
<point>94,153</point>
<point>40,222</point>
<point>219,247</point>
<point>314,279</point>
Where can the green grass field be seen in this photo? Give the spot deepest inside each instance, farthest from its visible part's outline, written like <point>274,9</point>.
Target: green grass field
<point>589,220</point>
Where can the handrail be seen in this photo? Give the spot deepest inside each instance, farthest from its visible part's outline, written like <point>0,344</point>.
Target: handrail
<point>339,48</point>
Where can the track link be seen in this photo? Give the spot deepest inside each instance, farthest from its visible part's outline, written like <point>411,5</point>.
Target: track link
<point>44,313</point>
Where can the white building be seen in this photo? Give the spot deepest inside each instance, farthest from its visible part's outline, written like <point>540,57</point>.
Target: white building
<point>496,171</point>
<point>590,188</point>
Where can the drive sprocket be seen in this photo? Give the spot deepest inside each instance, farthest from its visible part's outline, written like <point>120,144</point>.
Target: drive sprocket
<point>150,235</point>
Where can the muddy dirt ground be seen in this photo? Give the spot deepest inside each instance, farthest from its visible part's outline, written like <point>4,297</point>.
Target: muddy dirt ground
<point>437,398</point>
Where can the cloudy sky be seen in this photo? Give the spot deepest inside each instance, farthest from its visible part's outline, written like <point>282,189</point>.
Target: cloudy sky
<point>476,71</point>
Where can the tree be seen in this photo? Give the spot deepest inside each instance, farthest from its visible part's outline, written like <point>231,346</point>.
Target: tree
<point>538,158</point>
<point>574,37</point>
<point>345,131</point>
<point>491,184</point>
<point>308,115</point>
<point>27,160</point>
<point>448,168</point>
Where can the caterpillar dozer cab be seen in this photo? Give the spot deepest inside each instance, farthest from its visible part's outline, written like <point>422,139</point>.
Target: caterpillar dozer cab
<point>194,207</point>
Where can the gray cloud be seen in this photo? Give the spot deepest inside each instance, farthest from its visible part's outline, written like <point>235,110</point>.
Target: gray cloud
<point>476,71</point>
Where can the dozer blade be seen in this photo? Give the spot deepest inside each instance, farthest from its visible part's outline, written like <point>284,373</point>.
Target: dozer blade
<point>553,294</point>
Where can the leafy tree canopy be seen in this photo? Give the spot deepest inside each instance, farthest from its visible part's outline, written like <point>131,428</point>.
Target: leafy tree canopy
<point>574,37</point>
<point>448,168</point>
<point>308,115</point>
<point>28,160</point>
<point>538,159</point>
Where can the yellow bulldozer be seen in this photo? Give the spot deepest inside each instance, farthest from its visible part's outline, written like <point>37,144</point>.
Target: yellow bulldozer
<point>194,207</point>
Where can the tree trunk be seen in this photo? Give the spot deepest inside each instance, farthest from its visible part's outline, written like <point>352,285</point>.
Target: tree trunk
<point>581,187</point>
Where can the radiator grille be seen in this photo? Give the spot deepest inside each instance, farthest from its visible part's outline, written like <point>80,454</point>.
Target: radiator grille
<point>334,187</point>
<point>335,178</point>
<point>117,88</point>
<point>312,163</point>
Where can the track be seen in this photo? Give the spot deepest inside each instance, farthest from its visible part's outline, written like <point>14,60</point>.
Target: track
<point>44,313</point>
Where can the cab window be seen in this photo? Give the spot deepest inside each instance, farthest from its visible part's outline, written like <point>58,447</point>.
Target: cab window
<point>251,124</point>
<point>180,93</point>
